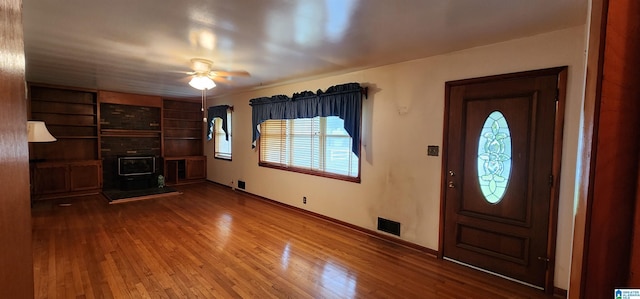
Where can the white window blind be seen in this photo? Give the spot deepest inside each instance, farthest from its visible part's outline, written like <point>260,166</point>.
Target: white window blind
<point>317,145</point>
<point>222,146</point>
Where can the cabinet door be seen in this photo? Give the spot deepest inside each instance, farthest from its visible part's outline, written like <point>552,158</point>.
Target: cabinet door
<point>50,178</point>
<point>85,175</point>
<point>196,168</point>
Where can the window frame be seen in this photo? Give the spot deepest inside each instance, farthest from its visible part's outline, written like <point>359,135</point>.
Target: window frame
<point>304,170</point>
<point>215,137</point>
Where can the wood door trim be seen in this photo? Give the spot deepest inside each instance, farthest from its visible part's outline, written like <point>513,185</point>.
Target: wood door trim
<point>561,73</point>
<point>555,187</point>
<point>592,92</point>
<point>611,110</point>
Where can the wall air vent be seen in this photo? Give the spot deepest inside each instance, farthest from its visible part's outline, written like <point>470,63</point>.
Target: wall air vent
<point>389,226</point>
<point>241,185</point>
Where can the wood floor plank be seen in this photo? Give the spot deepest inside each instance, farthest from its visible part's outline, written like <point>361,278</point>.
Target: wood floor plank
<point>212,242</point>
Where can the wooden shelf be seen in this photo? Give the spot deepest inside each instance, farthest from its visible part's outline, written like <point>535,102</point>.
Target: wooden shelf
<point>182,129</point>
<point>73,165</point>
<point>49,124</point>
<point>76,137</point>
<point>184,119</point>
<point>182,138</point>
<point>179,128</point>
<point>62,102</point>
<point>62,113</point>
<point>71,116</point>
<point>182,110</point>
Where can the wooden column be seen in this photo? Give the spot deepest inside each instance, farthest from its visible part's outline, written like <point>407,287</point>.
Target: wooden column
<point>610,201</point>
<point>16,261</point>
<point>634,269</point>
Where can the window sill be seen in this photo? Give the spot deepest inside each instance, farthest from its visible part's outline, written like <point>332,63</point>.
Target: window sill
<point>222,158</point>
<point>311,172</point>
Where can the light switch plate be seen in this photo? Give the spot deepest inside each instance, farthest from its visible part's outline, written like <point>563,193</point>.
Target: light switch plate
<point>433,150</point>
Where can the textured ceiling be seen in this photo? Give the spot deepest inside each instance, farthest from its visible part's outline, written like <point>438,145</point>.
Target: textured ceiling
<point>144,46</point>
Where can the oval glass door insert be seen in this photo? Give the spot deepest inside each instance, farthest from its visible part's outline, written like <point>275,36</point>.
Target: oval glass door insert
<point>494,157</point>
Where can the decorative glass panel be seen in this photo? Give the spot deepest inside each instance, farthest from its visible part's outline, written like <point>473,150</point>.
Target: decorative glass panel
<point>494,157</point>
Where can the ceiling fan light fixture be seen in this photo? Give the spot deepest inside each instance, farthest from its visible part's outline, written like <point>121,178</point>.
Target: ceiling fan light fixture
<point>202,82</point>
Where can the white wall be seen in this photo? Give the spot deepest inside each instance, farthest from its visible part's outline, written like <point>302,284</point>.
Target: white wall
<point>403,115</point>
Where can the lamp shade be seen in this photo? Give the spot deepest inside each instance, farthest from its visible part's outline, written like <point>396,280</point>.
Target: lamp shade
<point>202,82</point>
<point>37,132</point>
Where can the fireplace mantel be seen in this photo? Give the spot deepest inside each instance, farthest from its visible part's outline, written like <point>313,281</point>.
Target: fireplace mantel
<point>130,133</point>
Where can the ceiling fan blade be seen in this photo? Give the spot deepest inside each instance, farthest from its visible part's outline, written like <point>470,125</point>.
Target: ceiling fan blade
<point>221,80</point>
<point>229,74</point>
<point>190,73</point>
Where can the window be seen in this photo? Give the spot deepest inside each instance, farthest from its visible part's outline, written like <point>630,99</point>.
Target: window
<point>318,146</point>
<point>494,157</point>
<point>222,146</point>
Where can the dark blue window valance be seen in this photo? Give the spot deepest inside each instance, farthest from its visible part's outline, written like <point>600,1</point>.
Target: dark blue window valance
<point>219,111</point>
<point>344,101</point>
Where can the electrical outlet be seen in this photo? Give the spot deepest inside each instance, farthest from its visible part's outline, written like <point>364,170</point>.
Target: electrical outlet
<point>304,200</point>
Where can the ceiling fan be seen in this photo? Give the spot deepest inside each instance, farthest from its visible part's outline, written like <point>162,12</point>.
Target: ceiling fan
<point>204,76</point>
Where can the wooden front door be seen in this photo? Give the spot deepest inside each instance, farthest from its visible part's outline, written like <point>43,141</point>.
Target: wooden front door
<point>499,173</point>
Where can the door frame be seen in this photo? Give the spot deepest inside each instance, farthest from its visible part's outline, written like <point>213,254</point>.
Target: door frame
<point>561,73</point>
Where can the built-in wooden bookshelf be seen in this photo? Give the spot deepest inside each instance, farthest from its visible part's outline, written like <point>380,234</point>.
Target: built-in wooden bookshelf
<point>93,128</point>
<point>71,117</point>
<point>71,165</point>
<point>183,141</point>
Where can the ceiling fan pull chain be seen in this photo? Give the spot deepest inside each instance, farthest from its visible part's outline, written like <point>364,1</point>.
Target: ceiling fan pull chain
<point>204,100</point>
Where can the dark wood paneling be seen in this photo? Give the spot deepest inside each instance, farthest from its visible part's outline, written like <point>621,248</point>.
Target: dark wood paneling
<point>50,178</point>
<point>182,147</point>
<point>182,104</point>
<point>176,123</point>
<point>57,179</point>
<point>195,114</point>
<point>66,149</point>
<point>634,270</point>
<point>45,92</point>
<point>196,167</point>
<point>612,199</point>
<point>129,99</point>
<point>187,133</point>
<point>16,262</point>
<point>85,175</point>
<point>61,119</point>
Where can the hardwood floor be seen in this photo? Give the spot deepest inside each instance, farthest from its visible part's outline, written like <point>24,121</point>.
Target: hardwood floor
<point>212,242</point>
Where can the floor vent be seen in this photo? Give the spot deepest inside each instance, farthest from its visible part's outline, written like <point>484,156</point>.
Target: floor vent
<point>241,185</point>
<point>389,226</point>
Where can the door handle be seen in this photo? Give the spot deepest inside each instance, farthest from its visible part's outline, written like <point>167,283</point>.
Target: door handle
<point>451,184</point>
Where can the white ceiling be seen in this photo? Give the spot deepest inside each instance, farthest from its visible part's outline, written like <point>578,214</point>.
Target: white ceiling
<point>144,46</point>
